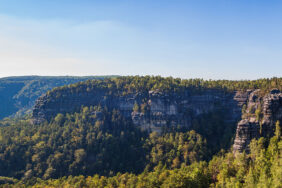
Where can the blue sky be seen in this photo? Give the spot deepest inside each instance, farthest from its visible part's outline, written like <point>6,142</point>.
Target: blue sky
<point>219,39</point>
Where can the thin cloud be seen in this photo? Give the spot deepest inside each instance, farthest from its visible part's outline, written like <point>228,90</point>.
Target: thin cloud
<point>65,47</point>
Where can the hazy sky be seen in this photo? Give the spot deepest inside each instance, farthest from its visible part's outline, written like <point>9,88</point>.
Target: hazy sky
<point>210,39</point>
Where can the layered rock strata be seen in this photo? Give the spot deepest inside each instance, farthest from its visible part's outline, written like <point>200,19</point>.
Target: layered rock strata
<point>262,112</point>
<point>153,110</point>
<point>156,109</point>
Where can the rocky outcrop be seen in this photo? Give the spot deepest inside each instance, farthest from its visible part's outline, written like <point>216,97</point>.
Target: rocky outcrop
<point>259,119</point>
<point>272,111</point>
<point>155,108</point>
<point>246,131</point>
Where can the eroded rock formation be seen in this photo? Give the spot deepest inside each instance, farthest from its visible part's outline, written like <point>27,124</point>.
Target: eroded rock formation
<point>156,109</point>
<point>259,119</point>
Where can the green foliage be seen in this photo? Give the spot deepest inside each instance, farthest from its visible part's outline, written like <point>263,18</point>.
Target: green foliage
<point>218,133</point>
<point>135,84</point>
<point>18,94</point>
<point>85,143</point>
<point>176,148</point>
<point>258,114</point>
<point>70,149</point>
<point>262,167</point>
<point>94,140</point>
<point>244,108</point>
<point>278,130</point>
<point>7,180</point>
<point>136,107</point>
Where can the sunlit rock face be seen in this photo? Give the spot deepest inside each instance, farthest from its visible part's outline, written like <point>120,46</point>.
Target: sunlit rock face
<point>261,114</point>
<point>246,131</point>
<point>156,109</point>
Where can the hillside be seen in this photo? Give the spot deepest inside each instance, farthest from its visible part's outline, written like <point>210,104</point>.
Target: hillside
<point>148,132</point>
<point>156,103</point>
<point>18,94</point>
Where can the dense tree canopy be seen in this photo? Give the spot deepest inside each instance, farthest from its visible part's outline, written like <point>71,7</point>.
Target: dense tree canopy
<point>133,84</point>
<point>92,141</point>
<point>261,168</point>
<point>74,147</point>
<point>99,147</point>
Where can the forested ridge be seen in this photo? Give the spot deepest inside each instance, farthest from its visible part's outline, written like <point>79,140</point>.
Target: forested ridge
<point>99,147</point>
<point>18,93</point>
<point>135,84</point>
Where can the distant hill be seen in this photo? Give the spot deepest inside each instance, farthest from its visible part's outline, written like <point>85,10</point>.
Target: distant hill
<point>18,94</point>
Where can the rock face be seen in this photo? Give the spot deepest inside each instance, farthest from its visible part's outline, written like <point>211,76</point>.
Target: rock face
<point>155,108</point>
<point>259,119</point>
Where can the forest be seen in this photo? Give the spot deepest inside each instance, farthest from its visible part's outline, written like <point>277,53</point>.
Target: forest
<point>69,152</point>
<point>99,147</point>
<point>134,84</point>
<point>140,94</point>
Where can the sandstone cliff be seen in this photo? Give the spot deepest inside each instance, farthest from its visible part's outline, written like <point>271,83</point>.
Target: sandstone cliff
<point>259,118</point>
<point>155,110</point>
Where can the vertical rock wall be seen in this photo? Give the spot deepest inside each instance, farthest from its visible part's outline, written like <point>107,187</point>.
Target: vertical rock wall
<point>161,109</point>
<point>260,117</point>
